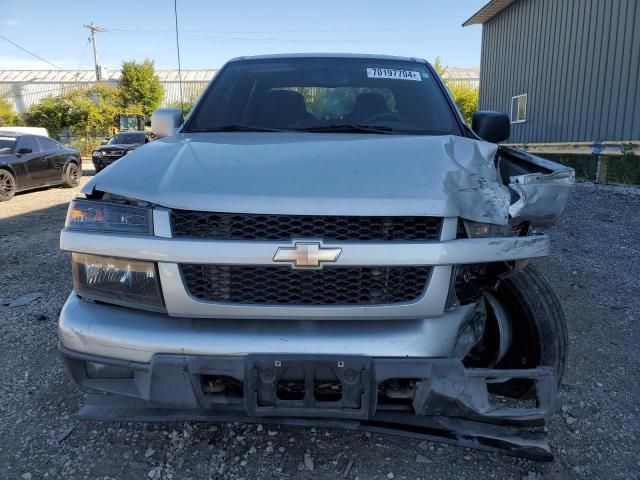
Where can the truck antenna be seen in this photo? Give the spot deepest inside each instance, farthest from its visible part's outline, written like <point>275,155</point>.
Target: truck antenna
<point>175,12</point>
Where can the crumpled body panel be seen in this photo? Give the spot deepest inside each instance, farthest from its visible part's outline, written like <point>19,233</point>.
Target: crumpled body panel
<point>542,187</point>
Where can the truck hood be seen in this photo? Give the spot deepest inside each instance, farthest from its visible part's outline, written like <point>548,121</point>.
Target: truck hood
<point>314,174</point>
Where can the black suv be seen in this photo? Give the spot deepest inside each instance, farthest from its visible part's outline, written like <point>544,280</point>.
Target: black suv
<point>117,147</point>
<point>32,161</point>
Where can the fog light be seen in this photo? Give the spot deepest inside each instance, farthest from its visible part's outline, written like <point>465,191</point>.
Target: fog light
<point>102,371</point>
<point>131,283</point>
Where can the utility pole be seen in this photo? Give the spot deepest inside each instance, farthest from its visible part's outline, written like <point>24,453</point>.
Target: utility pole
<point>94,28</point>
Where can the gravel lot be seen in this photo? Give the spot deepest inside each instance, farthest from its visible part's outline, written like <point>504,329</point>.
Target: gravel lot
<point>595,270</point>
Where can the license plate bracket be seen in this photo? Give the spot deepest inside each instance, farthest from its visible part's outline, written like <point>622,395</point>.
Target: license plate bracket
<point>304,386</point>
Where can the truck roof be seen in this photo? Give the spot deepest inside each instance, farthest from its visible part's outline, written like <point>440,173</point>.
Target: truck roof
<point>327,55</point>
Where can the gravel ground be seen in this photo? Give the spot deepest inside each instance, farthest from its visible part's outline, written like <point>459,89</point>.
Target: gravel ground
<point>594,269</point>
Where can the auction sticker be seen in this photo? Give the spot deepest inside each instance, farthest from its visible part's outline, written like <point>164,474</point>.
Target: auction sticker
<point>394,74</point>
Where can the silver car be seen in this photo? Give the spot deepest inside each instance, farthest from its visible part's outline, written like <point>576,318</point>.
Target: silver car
<point>323,241</point>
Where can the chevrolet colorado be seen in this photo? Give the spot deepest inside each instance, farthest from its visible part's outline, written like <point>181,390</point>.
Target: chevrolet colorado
<point>324,240</point>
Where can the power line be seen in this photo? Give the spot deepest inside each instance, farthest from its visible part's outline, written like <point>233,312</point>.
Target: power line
<point>30,53</point>
<point>224,38</point>
<point>346,30</point>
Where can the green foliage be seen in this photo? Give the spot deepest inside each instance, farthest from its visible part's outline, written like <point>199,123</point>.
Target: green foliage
<point>91,114</point>
<point>93,110</point>
<point>139,90</point>
<point>185,106</point>
<point>438,67</point>
<point>7,116</point>
<point>467,98</point>
<point>50,113</point>
<point>83,111</point>
<point>86,144</point>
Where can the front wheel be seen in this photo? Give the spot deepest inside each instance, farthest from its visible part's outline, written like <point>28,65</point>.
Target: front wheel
<point>525,328</point>
<point>72,175</point>
<point>7,185</point>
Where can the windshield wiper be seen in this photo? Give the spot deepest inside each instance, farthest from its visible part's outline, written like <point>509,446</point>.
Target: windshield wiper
<point>349,128</point>
<point>235,127</point>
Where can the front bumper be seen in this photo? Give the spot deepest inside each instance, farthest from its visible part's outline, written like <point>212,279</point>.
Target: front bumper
<point>136,335</point>
<point>442,386</point>
<point>102,162</point>
<point>445,396</point>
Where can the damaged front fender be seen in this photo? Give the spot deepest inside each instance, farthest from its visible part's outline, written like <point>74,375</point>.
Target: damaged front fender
<point>540,187</point>
<point>542,198</point>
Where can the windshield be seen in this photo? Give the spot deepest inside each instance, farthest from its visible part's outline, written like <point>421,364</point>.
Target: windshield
<point>6,145</point>
<point>326,94</point>
<point>127,138</point>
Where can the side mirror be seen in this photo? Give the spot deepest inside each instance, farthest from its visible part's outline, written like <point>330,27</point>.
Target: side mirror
<point>165,122</point>
<point>24,150</point>
<point>491,126</point>
<point>104,142</point>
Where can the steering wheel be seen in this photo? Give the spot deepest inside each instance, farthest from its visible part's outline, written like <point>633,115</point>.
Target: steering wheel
<point>381,117</point>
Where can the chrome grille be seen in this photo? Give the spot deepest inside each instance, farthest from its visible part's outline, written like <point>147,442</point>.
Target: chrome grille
<point>282,285</point>
<point>226,226</point>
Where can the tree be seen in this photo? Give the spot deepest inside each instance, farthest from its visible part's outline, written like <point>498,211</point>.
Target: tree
<point>92,110</point>
<point>7,115</point>
<point>438,67</point>
<point>185,106</point>
<point>139,90</point>
<point>467,99</point>
<point>50,113</point>
<point>84,111</point>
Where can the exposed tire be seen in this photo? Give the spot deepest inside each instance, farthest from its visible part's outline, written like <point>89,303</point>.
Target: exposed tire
<point>7,185</point>
<point>72,175</point>
<point>538,330</point>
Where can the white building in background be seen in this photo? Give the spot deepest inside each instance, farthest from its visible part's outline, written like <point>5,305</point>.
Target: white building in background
<point>467,76</point>
<point>23,88</point>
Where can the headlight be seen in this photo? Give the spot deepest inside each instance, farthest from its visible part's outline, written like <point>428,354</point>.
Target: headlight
<point>131,283</point>
<point>487,230</point>
<point>108,217</point>
<point>96,153</point>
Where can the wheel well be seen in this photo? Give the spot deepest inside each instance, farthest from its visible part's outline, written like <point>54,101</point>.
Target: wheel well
<point>10,169</point>
<point>16,177</point>
<point>77,162</point>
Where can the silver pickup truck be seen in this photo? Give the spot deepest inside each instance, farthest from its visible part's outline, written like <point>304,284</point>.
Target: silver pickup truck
<point>323,241</point>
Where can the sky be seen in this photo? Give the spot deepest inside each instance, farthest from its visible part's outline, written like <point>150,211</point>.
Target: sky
<point>212,32</point>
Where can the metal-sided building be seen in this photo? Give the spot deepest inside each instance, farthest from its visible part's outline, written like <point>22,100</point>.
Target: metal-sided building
<point>564,70</point>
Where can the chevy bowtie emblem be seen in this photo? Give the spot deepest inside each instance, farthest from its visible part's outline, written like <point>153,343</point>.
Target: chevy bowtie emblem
<point>307,254</point>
